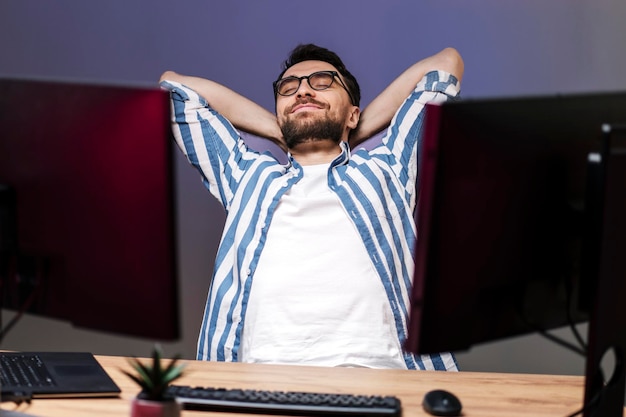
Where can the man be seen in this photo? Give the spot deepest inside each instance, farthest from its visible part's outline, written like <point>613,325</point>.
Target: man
<point>315,262</point>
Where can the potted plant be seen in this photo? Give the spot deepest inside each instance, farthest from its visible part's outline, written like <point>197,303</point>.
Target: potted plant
<point>152,400</point>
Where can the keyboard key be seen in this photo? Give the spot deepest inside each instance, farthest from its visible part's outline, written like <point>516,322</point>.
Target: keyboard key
<point>24,371</point>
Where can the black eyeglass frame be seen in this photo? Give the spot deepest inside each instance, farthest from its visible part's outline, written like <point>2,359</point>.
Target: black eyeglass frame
<point>334,74</point>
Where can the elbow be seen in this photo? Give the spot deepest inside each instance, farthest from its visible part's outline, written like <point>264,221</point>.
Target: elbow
<point>452,62</point>
<point>168,75</point>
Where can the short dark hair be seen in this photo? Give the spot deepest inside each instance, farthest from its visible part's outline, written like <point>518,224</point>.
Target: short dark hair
<point>311,52</point>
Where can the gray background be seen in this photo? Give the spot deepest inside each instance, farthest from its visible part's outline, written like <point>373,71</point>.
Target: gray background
<point>510,47</point>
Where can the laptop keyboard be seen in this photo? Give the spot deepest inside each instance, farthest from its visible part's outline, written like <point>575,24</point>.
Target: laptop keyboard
<point>281,402</point>
<point>24,371</point>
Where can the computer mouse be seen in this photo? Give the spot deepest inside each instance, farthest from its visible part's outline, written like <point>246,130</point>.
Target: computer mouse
<point>441,403</point>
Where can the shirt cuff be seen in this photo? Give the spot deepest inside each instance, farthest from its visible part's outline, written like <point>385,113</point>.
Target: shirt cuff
<point>440,81</point>
<point>181,92</point>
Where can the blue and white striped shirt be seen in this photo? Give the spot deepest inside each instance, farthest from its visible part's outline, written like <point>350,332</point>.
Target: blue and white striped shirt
<point>376,188</point>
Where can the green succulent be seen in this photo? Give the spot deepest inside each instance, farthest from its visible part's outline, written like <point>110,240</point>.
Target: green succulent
<point>154,379</point>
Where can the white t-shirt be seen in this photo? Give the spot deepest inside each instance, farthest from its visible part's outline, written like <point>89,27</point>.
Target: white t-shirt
<point>315,297</point>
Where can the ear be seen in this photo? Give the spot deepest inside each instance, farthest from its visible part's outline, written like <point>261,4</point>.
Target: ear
<point>353,117</point>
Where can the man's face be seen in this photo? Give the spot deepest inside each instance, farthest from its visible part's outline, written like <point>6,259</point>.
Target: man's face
<point>311,115</point>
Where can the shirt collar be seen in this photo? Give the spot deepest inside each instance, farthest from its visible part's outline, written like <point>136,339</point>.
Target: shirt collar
<point>342,159</point>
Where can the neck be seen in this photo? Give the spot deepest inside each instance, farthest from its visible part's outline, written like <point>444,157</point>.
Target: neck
<point>315,152</point>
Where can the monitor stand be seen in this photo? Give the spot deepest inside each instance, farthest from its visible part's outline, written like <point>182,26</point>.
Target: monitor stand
<point>21,277</point>
<point>607,326</point>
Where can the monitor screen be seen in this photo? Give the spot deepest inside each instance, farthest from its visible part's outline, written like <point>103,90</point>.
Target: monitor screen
<point>501,217</point>
<point>88,214</point>
<point>521,229</point>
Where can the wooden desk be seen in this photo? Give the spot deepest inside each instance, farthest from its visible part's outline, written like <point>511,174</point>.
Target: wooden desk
<point>482,394</point>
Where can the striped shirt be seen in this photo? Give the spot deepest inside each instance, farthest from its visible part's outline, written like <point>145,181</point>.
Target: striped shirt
<point>376,188</point>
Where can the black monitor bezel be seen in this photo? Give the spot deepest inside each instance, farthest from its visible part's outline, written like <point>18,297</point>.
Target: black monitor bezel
<point>72,147</point>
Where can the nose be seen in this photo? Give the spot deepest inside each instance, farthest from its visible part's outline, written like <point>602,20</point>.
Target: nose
<point>305,89</point>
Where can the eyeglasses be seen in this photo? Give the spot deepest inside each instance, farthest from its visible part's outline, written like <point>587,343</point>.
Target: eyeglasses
<point>318,81</point>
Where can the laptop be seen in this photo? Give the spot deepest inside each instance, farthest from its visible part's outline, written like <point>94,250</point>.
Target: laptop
<point>26,375</point>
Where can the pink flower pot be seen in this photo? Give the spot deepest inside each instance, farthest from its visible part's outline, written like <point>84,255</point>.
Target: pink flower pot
<point>145,408</point>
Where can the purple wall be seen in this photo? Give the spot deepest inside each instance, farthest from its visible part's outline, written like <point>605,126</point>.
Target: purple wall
<point>510,47</point>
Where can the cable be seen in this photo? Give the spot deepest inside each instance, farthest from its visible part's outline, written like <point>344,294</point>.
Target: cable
<point>562,342</point>
<point>587,406</point>
<point>17,397</point>
<point>581,349</point>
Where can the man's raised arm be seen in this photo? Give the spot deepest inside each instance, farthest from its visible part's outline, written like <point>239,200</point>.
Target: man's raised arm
<point>378,114</point>
<point>243,113</point>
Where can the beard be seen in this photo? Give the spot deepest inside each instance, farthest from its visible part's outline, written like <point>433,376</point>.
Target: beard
<point>296,132</point>
<point>302,128</point>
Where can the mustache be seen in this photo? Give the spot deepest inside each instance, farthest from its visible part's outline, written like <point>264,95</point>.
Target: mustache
<point>305,100</point>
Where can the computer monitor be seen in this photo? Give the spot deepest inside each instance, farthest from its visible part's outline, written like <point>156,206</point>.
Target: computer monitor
<point>87,209</point>
<point>520,227</point>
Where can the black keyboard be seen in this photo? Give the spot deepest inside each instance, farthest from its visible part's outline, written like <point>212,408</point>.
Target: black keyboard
<point>24,371</point>
<point>284,402</point>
